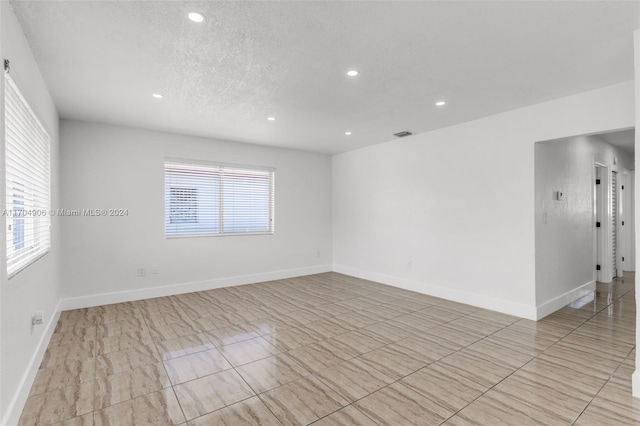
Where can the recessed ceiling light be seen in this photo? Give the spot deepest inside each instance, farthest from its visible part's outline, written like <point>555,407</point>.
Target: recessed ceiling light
<point>271,118</point>
<point>157,96</point>
<point>440,103</point>
<point>352,73</point>
<point>347,133</point>
<point>196,17</point>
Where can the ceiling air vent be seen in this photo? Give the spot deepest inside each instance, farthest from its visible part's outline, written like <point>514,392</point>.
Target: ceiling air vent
<point>403,134</point>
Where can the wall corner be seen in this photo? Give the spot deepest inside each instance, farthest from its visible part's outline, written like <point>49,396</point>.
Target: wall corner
<point>636,38</point>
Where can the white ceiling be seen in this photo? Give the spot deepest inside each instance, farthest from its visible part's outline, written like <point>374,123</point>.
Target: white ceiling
<point>102,60</point>
<point>624,139</point>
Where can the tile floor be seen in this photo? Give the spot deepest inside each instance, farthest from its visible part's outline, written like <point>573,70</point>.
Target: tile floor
<point>337,350</point>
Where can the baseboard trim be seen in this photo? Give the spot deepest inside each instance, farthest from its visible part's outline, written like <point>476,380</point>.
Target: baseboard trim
<point>556,303</point>
<point>169,290</point>
<point>17,403</point>
<point>499,305</point>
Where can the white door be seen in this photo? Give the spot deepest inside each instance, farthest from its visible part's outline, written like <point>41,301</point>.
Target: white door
<point>600,197</point>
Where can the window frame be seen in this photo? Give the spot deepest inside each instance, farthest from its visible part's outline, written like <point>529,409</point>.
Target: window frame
<point>36,222</point>
<point>238,167</point>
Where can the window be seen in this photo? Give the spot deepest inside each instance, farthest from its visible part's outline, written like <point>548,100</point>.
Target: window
<point>28,190</point>
<point>211,199</point>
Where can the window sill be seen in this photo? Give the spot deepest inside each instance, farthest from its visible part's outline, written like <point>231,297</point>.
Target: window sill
<point>229,234</point>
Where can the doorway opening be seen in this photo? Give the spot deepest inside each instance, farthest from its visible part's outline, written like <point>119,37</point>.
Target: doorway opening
<point>584,217</point>
<point>613,233</point>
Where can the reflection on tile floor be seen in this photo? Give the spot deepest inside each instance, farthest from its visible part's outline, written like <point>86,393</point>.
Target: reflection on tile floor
<point>337,350</point>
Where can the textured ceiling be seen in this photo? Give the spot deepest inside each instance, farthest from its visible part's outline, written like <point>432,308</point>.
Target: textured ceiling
<point>102,60</point>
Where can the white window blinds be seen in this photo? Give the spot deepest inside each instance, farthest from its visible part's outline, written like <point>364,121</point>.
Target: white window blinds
<point>209,199</point>
<point>28,190</point>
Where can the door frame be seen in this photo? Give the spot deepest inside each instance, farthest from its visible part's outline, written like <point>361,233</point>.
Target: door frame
<point>603,193</point>
<point>624,232</point>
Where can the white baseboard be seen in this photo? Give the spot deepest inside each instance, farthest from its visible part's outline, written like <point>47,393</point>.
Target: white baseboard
<point>500,305</point>
<point>556,303</point>
<point>16,405</point>
<point>635,383</point>
<point>169,290</point>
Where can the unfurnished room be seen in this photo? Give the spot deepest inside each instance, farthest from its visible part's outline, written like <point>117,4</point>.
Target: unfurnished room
<point>318,212</point>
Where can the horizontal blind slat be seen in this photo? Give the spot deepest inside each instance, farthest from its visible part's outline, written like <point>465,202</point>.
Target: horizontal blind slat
<point>203,199</point>
<point>28,181</point>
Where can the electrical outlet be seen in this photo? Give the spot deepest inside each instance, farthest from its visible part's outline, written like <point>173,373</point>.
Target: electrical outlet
<point>155,270</point>
<point>410,265</point>
<point>142,272</point>
<point>318,254</point>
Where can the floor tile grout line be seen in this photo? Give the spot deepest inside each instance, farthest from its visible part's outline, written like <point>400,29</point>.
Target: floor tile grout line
<point>167,373</point>
<point>95,373</point>
<point>534,358</point>
<point>407,375</point>
<point>466,347</point>
<point>491,387</point>
<point>255,394</point>
<point>227,406</point>
<point>601,388</point>
<point>583,321</point>
<point>518,369</point>
<point>329,338</point>
<point>131,370</point>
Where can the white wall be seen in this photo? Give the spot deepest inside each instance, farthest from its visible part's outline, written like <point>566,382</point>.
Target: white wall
<point>635,379</point>
<point>115,167</point>
<point>38,286</point>
<point>628,242</point>
<point>565,229</point>
<point>458,203</point>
